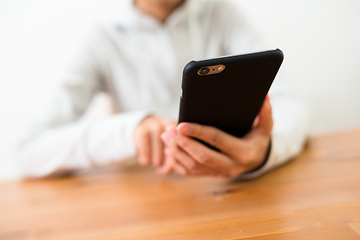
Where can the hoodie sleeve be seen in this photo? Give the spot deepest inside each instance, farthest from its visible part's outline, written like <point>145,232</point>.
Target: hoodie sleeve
<point>58,141</point>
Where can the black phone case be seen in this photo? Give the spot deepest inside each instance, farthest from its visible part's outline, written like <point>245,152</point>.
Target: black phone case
<point>229,100</point>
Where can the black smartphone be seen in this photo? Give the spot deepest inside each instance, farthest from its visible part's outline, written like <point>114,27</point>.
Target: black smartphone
<point>228,92</point>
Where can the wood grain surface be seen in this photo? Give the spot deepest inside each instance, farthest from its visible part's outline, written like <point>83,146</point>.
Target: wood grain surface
<point>316,196</point>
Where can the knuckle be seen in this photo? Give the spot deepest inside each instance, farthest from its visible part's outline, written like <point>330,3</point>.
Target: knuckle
<point>216,138</point>
<point>203,158</point>
<point>140,133</point>
<point>198,131</point>
<point>155,128</point>
<point>158,127</point>
<point>183,141</point>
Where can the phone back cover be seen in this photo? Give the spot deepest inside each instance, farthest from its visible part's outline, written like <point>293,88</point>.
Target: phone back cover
<point>231,99</point>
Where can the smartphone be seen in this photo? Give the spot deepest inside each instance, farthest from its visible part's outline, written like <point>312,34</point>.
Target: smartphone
<point>228,92</point>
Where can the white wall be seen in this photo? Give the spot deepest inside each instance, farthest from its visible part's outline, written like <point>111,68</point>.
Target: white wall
<point>320,40</point>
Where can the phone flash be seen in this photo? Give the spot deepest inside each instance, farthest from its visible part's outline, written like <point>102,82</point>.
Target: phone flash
<point>210,70</point>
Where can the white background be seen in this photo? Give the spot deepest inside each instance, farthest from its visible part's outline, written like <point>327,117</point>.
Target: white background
<point>320,40</point>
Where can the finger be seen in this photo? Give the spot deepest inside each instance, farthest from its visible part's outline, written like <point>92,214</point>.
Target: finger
<point>166,168</point>
<point>211,135</point>
<point>165,139</point>
<point>143,148</point>
<point>205,155</point>
<point>256,122</point>
<point>265,122</point>
<point>178,166</point>
<point>182,157</point>
<point>192,167</point>
<point>175,165</point>
<point>157,147</point>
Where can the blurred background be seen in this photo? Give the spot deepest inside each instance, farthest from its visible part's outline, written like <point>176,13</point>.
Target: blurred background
<point>320,40</point>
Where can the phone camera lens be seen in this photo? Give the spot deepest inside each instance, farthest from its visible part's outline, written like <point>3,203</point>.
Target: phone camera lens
<point>204,71</point>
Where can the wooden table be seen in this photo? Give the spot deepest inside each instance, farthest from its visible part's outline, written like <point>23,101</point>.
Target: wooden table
<point>317,196</point>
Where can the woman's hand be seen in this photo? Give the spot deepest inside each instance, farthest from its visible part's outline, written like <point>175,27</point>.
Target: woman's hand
<point>238,155</point>
<point>148,143</point>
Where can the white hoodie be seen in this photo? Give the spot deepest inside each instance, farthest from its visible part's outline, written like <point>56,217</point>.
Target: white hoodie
<point>138,61</point>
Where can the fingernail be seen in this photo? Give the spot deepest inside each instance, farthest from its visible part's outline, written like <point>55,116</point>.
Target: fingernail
<point>267,97</point>
<point>184,128</point>
<point>173,132</point>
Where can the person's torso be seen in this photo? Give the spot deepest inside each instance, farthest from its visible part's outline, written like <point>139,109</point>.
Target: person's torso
<point>144,61</point>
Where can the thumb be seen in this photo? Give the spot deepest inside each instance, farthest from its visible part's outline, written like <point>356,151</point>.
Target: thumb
<point>265,120</point>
